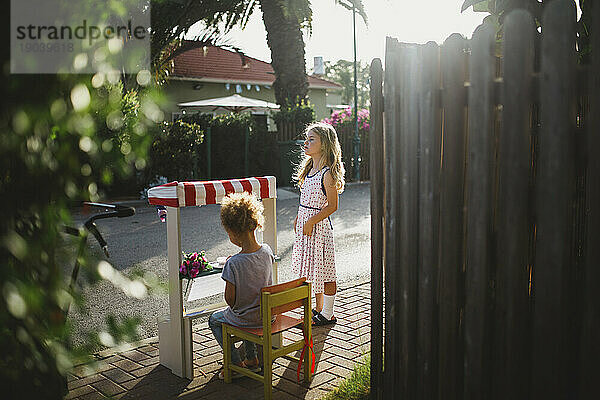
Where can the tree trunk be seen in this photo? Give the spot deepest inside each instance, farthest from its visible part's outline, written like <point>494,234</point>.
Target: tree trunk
<point>284,38</point>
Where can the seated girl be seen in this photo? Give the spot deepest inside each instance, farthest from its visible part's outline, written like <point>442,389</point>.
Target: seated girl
<point>245,273</point>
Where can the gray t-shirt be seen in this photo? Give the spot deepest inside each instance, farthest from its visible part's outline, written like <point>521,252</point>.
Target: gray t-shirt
<point>249,272</point>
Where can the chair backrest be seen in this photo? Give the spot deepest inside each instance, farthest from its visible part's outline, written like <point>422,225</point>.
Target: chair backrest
<point>280,309</point>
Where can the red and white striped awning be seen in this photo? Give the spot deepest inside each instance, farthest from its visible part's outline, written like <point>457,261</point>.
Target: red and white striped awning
<point>181,194</point>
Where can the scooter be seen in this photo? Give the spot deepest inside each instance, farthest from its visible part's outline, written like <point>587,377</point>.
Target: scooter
<point>110,211</point>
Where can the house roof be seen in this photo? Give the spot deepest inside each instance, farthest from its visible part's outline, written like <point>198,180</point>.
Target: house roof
<point>215,64</point>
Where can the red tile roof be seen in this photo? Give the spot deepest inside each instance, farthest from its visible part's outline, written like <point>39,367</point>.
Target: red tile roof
<point>216,64</point>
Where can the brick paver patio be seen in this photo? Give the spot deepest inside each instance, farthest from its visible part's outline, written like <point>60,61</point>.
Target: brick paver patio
<point>137,374</point>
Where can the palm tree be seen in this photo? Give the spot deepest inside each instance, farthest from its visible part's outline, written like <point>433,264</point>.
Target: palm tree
<point>283,19</point>
<point>283,23</point>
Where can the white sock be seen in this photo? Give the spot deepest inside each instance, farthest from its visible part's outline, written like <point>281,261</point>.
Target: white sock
<point>327,311</point>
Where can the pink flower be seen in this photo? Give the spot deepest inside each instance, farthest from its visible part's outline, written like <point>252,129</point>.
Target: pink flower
<point>193,264</point>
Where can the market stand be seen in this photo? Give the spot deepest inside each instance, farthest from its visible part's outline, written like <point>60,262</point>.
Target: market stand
<point>175,329</point>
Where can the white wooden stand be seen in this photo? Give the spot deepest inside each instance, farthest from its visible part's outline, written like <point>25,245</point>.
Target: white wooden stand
<point>175,329</point>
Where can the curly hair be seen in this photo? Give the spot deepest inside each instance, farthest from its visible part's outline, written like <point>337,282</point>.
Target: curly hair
<point>332,152</point>
<point>241,212</point>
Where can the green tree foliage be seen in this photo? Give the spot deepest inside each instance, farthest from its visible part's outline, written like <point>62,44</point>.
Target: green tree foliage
<point>284,22</point>
<point>180,150</point>
<point>175,152</point>
<point>357,5</point>
<point>293,120</point>
<point>63,139</point>
<point>58,146</point>
<point>342,72</point>
<point>302,114</point>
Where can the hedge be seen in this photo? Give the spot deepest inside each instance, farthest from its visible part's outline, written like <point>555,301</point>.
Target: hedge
<point>180,150</point>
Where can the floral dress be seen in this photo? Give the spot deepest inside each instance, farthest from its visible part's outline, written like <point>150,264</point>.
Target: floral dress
<point>313,256</point>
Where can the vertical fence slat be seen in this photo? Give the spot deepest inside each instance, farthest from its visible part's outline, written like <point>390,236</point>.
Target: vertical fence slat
<point>429,192</point>
<point>406,282</point>
<point>377,193</point>
<point>392,233</point>
<point>512,279</point>
<point>554,192</point>
<point>590,327</point>
<point>451,217</point>
<point>479,209</point>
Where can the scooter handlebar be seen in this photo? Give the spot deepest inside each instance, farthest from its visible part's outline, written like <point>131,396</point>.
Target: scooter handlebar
<point>91,226</point>
<point>113,210</point>
<point>124,211</point>
<point>118,210</point>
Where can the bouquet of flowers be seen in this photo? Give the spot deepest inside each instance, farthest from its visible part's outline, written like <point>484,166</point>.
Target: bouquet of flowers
<point>193,264</point>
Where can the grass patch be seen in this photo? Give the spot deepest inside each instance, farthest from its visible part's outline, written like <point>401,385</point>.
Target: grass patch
<point>357,386</point>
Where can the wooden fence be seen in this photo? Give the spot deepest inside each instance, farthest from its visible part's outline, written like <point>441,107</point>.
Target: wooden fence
<point>289,131</point>
<point>486,215</point>
<point>346,138</point>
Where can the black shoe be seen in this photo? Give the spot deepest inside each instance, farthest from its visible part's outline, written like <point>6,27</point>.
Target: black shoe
<point>320,320</point>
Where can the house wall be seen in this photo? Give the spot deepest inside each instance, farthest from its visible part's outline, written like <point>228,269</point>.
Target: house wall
<point>317,97</point>
<point>183,91</point>
<point>334,98</point>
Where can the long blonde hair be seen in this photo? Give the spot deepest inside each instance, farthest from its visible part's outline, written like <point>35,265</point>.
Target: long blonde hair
<point>331,155</point>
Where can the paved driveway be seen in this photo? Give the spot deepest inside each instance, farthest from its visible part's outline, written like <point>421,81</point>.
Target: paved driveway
<point>139,243</point>
<point>136,374</point>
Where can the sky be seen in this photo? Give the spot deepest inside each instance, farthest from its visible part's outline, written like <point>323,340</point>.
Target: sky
<point>413,21</point>
<point>408,21</point>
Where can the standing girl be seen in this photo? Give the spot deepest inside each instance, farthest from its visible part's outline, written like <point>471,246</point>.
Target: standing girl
<point>321,179</point>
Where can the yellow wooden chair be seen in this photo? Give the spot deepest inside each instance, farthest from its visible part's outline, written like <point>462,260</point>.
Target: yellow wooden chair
<point>275,300</point>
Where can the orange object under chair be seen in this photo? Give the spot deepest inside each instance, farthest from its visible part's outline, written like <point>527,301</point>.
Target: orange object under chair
<point>275,300</point>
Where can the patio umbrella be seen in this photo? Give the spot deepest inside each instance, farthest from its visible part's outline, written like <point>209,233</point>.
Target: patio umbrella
<point>235,103</point>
